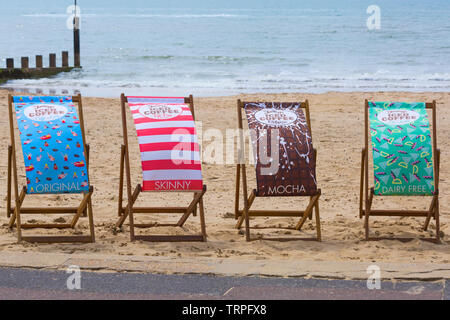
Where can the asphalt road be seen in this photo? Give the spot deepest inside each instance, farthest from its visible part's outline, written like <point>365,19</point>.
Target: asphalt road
<point>42,284</point>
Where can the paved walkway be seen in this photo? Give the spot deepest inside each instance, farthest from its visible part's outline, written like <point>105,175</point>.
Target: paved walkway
<point>47,284</point>
<point>226,267</point>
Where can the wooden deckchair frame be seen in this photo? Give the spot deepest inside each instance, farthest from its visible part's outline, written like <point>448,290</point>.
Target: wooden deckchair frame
<point>243,215</point>
<point>129,209</point>
<point>367,193</point>
<point>14,212</point>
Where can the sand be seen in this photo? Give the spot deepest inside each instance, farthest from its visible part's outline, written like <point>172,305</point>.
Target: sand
<point>337,123</point>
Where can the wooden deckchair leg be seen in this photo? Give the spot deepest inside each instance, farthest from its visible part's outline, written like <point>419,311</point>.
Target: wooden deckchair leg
<point>13,217</point>
<point>81,209</point>
<point>91,219</point>
<point>366,224</point>
<point>124,216</point>
<point>17,213</point>
<point>190,208</point>
<point>12,220</point>
<point>432,212</point>
<point>438,229</point>
<point>250,202</point>
<point>246,204</point>
<point>194,212</point>
<point>367,211</point>
<point>236,197</point>
<point>307,212</point>
<point>366,168</point>
<point>371,194</point>
<point>8,197</point>
<point>319,232</point>
<point>202,219</point>
<point>88,152</point>
<point>361,186</point>
<point>122,162</point>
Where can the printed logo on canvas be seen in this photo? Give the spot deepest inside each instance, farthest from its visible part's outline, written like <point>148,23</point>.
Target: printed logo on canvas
<point>161,111</point>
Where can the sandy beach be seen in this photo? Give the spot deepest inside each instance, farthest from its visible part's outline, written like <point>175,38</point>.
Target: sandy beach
<point>338,127</point>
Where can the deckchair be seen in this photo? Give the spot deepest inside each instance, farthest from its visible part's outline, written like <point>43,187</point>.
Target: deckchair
<point>291,169</point>
<point>170,162</point>
<point>403,153</point>
<point>56,159</point>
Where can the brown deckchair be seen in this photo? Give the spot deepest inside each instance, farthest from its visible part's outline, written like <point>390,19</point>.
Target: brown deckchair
<point>402,152</point>
<point>295,178</point>
<point>160,121</point>
<point>47,125</point>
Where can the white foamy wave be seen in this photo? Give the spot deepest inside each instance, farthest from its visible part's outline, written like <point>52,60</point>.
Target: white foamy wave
<point>205,84</point>
<point>171,16</point>
<point>54,15</point>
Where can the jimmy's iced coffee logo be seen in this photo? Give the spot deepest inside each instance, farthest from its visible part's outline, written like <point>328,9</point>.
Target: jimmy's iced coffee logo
<point>45,112</point>
<point>275,117</point>
<point>160,111</point>
<point>398,117</point>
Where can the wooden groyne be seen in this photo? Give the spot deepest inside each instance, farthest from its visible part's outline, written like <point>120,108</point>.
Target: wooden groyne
<point>39,71</point>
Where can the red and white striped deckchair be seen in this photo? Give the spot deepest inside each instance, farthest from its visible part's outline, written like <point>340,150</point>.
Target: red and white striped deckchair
<point>170,159</point>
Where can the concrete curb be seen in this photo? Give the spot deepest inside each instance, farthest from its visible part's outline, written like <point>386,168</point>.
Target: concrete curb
<point>225,267</point>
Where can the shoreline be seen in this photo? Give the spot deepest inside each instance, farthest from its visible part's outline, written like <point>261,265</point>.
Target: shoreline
<point>213,94</point>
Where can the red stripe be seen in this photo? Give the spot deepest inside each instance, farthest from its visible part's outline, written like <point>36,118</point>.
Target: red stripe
<point>169,164</point>
<point>172,185</point>
<point>158,131</point>
<point>178,118</point>
<point>185,146</point>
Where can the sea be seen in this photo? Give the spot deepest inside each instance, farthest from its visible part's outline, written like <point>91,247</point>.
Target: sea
<point>226,47</point>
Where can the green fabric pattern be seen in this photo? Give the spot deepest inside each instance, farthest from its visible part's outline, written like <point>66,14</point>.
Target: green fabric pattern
<point>402,149</point>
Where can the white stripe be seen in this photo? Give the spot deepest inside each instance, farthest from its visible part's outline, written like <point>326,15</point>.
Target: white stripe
<point>170,155</point>
<point>165,124</point>
<point>139,116</point>
<point>172,175</point>
<point>137,107</point>
<point>168,138</point>
<point>179,100</point>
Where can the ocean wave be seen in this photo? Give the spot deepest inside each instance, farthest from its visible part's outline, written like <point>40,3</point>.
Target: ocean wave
<point>204,83</point>
<point>132,15</point>
<point>222,59</point>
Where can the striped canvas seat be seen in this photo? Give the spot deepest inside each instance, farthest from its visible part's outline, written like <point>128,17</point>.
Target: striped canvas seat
<point>168,143</point>
<point>170,159</point>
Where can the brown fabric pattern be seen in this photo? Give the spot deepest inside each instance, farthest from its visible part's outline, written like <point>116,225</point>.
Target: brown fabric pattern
<point>283,125</point>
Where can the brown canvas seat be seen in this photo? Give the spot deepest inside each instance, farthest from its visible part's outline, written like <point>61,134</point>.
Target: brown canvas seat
<point>285,162</point>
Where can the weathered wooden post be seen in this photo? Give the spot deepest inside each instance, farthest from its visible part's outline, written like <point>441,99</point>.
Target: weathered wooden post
<point>52,60</point>
<point>65,59</point>
<point>76,39</point>
<point>24,62</point>
<point>38,62</point>
<point>10,63</point>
